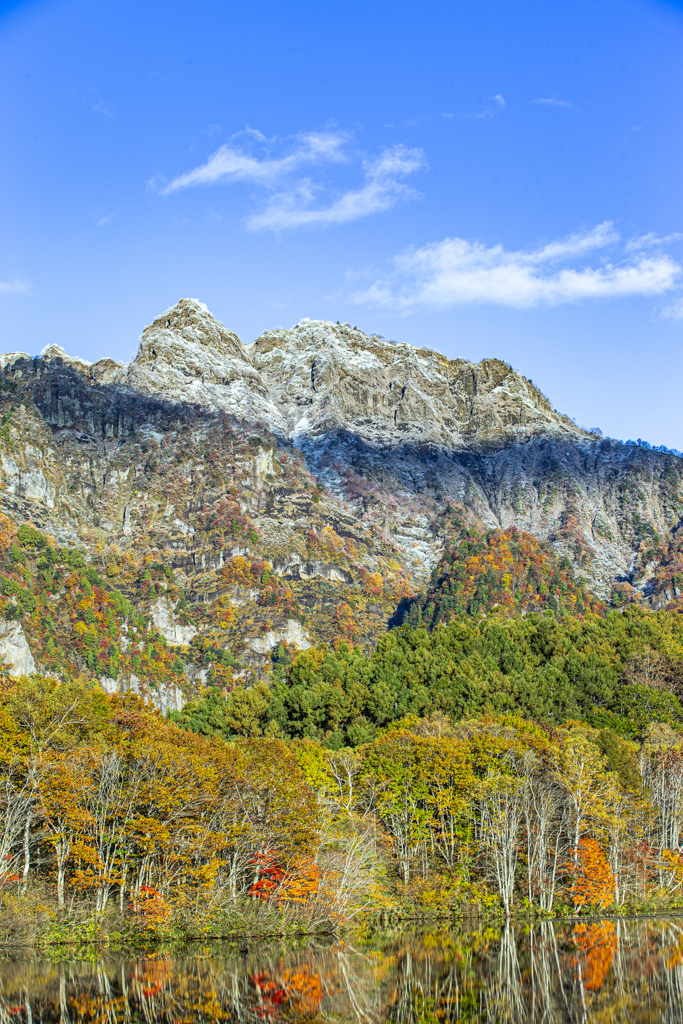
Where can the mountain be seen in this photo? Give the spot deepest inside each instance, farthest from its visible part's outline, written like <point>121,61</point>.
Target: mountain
<point>246,499</point>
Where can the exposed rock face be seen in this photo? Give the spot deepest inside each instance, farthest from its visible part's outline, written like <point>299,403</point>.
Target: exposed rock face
<point>187,356</point>
<point>325,377</point>
<point>163,618</point>
<point>14,649</point>
<point>292,633</point>
<point>320,376</point>
<point>297,488</point>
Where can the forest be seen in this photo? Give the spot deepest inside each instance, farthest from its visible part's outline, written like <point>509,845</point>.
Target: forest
<point>620,670</point>
<point>510,747</point>
<point>120,826</point>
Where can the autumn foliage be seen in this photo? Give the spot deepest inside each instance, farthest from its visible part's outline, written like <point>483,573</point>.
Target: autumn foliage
<point>506,572</point>
<point>593,882</point>
<point>596,946</point>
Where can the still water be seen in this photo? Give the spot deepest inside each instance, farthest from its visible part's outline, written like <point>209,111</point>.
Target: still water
<point>591,973</point>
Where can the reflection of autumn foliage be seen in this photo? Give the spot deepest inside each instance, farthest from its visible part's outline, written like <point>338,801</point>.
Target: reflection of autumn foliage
<point>545,974</point>
<point>593,883</point>
<point>299,989</point>
<point>152,976</point>
<point>596,944</point>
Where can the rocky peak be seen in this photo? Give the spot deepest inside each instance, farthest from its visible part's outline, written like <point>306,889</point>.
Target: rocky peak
<point>56,354</point>
<point>324,376</point>
<point>189,337</point>
<point>188,356</point>
<point>182,455</point>
<point>320,377</point>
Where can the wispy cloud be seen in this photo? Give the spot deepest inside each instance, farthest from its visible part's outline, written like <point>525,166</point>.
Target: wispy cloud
<point>456,272</point>
<point>652,241</point>
<point>383,188</point>
<point>674,311</point>
<point>232,164</point>
<point>301,201</point>
<point>15,286</point>
<point>552,101</point>
<point>498,105</point>
<point>101,108</point>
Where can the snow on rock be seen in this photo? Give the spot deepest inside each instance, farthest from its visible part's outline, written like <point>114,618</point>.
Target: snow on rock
<point>9,358</point>
<point>53,352</point>
<point>319,377</point>
<point>392,430</point>
<point>293,633</point>
<point>325,376</point>
<point>14,649</point>
<point>164,620</point>
<point>186,355</point>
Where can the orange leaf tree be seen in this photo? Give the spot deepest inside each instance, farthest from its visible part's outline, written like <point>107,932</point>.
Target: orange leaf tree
<point>593,882</point>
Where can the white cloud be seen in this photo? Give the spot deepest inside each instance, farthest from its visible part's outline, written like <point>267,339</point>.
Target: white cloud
<point>298,201</point>
<point>651,241</point>
<point>382,189</point>
<point>576,244</point>
<point>16,286</point>
<point>229,164</point>
<point>455,272</point>
<point>552,101</point>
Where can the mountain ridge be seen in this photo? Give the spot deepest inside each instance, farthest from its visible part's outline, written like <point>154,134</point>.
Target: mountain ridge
<point>326,460</point>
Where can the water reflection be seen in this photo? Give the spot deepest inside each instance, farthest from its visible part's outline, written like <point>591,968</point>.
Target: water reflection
<point>589,973</point>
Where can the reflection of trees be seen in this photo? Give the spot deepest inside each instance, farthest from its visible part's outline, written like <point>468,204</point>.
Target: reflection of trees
<point>552,973</point>
<point>503,996</point>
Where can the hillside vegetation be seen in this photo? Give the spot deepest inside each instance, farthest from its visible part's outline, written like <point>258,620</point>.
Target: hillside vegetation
<point>514,744</point>
<point>509,572</point>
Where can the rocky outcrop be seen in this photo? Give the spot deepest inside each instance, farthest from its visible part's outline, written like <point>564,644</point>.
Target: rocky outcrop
<point>187,356</point>
<point>292,634</point>
<point>320,377</point>
<point>164,698</point>
<point>164,619</point>
<point>14,649</point>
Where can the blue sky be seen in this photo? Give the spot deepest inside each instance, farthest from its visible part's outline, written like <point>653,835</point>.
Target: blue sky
<point>479,177</point>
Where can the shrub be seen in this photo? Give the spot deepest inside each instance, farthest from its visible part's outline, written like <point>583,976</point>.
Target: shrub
<point>30,537</point>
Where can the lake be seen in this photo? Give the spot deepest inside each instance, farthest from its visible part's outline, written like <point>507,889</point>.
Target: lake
<point>595,971</point>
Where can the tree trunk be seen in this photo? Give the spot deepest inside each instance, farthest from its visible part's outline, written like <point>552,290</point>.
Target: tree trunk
<point>27,852</point>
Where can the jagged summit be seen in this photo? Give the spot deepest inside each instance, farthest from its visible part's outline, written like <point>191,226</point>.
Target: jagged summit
<point>320,377</point>
<point>190,331</point>
<point>188,356</point>
<point>325,376</point>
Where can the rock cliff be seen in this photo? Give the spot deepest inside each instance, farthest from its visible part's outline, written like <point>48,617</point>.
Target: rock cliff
<point>296,489</point>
